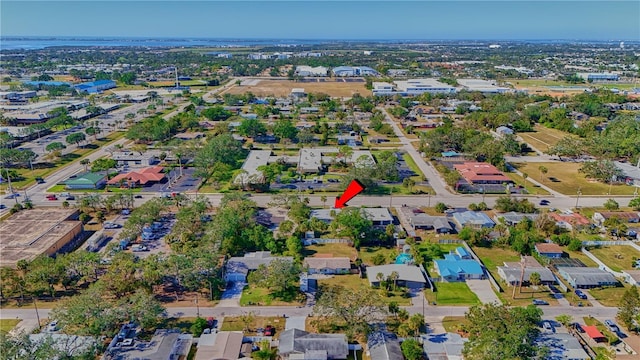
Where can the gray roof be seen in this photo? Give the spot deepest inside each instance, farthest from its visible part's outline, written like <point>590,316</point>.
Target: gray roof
<point>629,170</point>
<point>165,345</point>
<point>255,159</point>
<point>70,344</point>
<point>512,274</point>
<point>222,345</point>
<point>327,263</point>
<point>251,261</point>
<point>384,346</point>
<point>514,217</point>
<point>587,276</point>
<point>373,214</point>
<point>298,341</point>
<point>562,346</point>
<point>405,272</point>
<point>473,218</point>
<point>444,346</point>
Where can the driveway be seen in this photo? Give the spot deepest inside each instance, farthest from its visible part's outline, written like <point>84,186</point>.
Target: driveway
<point>231,296</point>
<point>484,291</point>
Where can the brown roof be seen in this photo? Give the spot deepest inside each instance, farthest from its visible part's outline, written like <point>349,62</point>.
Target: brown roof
<point>480,171</point>
<point>574,219</point>
<point>327,263</point>
<point>153,173</point>
<point>548,248</point>
<point>623,215</point>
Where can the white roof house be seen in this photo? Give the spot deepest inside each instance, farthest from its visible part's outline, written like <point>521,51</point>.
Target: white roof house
<point>379,216</point>
<point>255,159</point>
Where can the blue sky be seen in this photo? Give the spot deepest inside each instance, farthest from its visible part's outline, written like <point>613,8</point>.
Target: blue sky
<point>305,19</point>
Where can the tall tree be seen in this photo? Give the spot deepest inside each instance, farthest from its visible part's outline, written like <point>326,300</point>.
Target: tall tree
<point>629,309</point>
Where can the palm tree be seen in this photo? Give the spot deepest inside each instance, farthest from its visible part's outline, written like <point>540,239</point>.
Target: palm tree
<point>534,280</point>
<point>394,277</point>
<point>524,177</point>
<point>323,198</point>
<point>543,170</point>
<point>380,278</point>
<point>85,162</point>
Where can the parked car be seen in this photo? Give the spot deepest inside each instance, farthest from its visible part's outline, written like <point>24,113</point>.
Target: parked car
<point>110,225</point>
<point>577,327</point>
<point>544,202</point>
<point>12,196</point>
<point>547,326</point>
<point>52,197</point>
<point>269,330</point>
<point>580,294</point>
<point>137,197</point>
<point>53,326</point>
<point>2,206</point>
<point>70,198</point>
<point>612,326</point>
<point>539,302</point>
<point>39,180</point>
<point>139,248</point>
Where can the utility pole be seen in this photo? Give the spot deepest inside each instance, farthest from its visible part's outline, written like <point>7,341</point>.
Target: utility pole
<point>578,197</point>
<point>35,304</point>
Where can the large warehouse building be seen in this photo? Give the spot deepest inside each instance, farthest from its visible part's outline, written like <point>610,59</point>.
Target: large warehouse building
<point>30,233</point>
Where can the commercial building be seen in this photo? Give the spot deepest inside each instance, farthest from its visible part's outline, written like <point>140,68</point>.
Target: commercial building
<point>595,77</point>
<point>130,158</point>
<point>483,86</point>
<point>30,233</point>
<point>421,86</point>
<point>95,87</point>
<point>481,173</point>
<point>345,71</point>
<point>89,180</point>
<point>305,70</point>
<point>143,177</point>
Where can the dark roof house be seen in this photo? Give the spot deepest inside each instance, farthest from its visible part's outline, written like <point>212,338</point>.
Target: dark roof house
<point>384,345</point>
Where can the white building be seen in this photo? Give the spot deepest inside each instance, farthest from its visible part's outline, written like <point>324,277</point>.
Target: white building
<point>483,86</point>
<point>305,70</point>
<point>382,88</point>
<point>421,86</point>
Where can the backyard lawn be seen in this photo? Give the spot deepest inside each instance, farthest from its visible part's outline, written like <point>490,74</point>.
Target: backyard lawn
<point>579,255</point>
<point>355,283</point>
<point>367,253</point>
<point>565,178</point>
<point>617,257</point>
<point>336,249</point>
<point>495,256</point>
<point>452,293</point>
<point>7,324</point>
<point>454,323</point>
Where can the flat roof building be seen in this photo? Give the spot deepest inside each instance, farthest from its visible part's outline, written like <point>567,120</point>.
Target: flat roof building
<point>306,70</point>
<point>421,86</point>
<point>483,86</point>
<point>30,233</point>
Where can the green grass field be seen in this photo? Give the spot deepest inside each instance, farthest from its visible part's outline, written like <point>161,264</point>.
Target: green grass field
<point>609,296</point>
<point>494,257</point>
<point>531,188</point>
<point>257,296</point>
<point>582,257</point>
<point>543,137</point>
<point>355,283</point>
<point>617,257</point>
<point>454,323</point>
<point>569,179</point>
<point>7,324</point>
<point>235,323</point>
<point>367,253</point>
<point>452,293</point>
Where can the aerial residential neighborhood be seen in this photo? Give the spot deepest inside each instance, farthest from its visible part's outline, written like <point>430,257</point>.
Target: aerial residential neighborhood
<point>174,196</point>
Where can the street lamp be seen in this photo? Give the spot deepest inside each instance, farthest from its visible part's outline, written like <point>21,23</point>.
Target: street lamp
<point>578,197</point>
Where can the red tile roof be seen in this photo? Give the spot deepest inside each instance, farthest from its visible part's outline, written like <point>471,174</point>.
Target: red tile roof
<point>593,332</point>
<point>481,171</point>
<point>153,173</point>
<point>573,219</point>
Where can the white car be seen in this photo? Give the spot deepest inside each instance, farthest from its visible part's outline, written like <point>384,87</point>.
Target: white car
<point>53,326</point>
<point>547,326</point>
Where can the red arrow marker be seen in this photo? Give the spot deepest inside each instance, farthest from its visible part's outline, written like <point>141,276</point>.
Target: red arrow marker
<point>354,188</point>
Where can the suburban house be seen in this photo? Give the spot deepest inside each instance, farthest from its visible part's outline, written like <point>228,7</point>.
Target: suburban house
<point>562,346</point>
<point>549,250</point>
<point>327,265</point>
<point>481,173</point>
<point>296,344</point>
<point>512,218</point>
<point>587,277</point>
<point>384,345</point>
<point>473,219</point>
<point>512,271</point>
<point>446,346</point>
<point>164,345</point>
<point>89,180</point>
<point>624,216</point>
<point>570,220</point>
<point>455,268</point>
<point>139,178</point>
<point>379,216</point>
<point>408,275</point>
<point>221,345</point>
<point>237,268</point>
<point>503,130</point>
<point>427,222</point>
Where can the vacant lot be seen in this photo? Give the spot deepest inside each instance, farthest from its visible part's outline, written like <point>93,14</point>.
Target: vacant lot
<point>453,293</point>
<point>283,88</point>
<point>619,257</point>
<point>355,283</point>
<point>367,253</point>
<point>609,296</point>
<point>337,250</point>
<point>565,178</point>
<point>495,256</point>
<point>543,138</point>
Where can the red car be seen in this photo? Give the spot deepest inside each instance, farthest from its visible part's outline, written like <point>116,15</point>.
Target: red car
<point>52,197</point>
<point>269,330</point>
